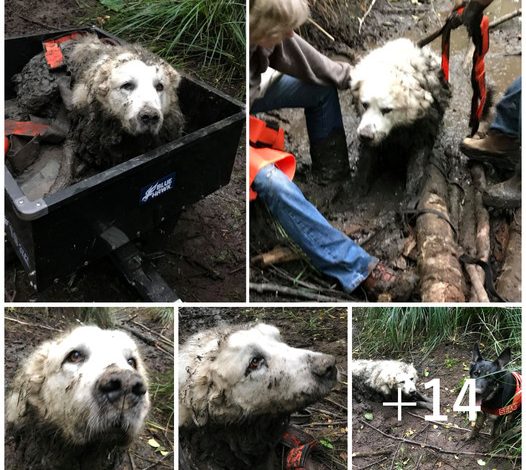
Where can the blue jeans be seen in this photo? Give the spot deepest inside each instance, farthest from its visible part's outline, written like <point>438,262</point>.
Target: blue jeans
<point>508,111</point>
<point>321,103</point>
<point>330,251</point>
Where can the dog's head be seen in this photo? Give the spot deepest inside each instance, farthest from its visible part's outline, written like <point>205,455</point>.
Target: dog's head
<point>252,372</point>
<point>90,384</point>
<point>394,86</point>
<point>140,95</point>
<point>487,374</point>
<point>404,376</point>
<point>131,84</point>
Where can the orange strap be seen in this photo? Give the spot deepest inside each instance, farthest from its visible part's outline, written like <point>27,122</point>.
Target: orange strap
<point>263,134</point>
<point>515,403</point>
<point>267,146</point>
<point>52,51</point>
<point>26,128</point>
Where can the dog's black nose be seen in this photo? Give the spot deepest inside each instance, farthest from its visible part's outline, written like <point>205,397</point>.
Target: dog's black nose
<point>114,385</point>
<point>324,366</point>
<point>149,117</point>
<point>366,136</point>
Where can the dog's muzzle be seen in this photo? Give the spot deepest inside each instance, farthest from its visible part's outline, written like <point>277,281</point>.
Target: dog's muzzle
<point>123,389</point>
<point>149,120</point>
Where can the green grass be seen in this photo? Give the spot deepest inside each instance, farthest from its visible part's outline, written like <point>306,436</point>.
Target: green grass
<point>210,33</point>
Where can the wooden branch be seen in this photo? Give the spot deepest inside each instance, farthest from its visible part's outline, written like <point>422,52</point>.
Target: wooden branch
<point>303,293</point>
<point>505,18</point>
<point>33,325</point>
<point>441,277</point>
<point>445,425</point>
<point>438,449</point>
<point>311,21</point>
<point>278,255</point>
<point>362,19</point>
<point>509,282</point>
<point>371,453</point>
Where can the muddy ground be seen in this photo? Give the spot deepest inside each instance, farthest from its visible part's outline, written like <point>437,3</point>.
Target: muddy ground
<point>449,362</point>
<point>26,328</point>
<point>323,330</point>
<point>202,259</point>
<point>378,221</point>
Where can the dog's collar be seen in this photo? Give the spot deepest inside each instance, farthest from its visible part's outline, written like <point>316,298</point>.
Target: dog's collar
<point>515,403</point>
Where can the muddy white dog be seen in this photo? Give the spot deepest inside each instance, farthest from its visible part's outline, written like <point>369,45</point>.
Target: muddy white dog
<point>78,401</point>
<point>385,377</point>
<point>122,100</point>
<point>400,94</point>
<point>237,388</point>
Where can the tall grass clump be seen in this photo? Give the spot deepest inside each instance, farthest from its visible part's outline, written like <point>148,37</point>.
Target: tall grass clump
<point>395,329</point>
<point>209,33</point>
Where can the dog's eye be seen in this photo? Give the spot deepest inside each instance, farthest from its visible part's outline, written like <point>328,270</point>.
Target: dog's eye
<point>74,357</point>
<point>255,363</point>
<point>132,362</point>
<point>128,86</point>
<point>365,105</point>
<point>386,110</point>
<point>159,87</point>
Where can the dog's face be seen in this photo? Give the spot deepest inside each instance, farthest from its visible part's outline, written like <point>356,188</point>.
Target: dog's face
<point>389,88</point>
<point>487,374</point>
<point>260,374</point>
<point>406,380</point>
<point>138,95</point>
<point>91,384</point>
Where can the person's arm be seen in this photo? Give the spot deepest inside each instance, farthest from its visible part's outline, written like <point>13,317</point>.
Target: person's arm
<point>296,57</point>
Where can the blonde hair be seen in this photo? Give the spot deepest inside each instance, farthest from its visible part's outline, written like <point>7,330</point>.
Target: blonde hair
<point>270,18</point>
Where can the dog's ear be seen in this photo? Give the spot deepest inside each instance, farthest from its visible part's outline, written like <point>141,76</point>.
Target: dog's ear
<point>476,356</point>
<point>504,358</point>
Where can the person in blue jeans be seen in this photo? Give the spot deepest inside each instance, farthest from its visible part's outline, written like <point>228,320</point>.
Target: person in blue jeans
<point>286,71</point>
<point>501,147</point>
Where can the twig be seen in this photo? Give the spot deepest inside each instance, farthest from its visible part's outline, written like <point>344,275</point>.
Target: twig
<point>158,462</point>
<point>445,425</point>
<point>276,288</point>
<point>362,19</point>
<point>435,448</point>
<point>37,23</point>
<point>147,340</point>
<point>335,403</point>
<point>164,339</point>
<point>191,260</point>
<point>505,18</point>
<point>34,325</point>
<point>321,423</point>
<point>374,464</point>
<point>371,453</point>
<point>311,21</point>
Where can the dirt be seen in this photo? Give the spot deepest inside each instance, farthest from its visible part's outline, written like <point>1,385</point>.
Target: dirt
<point>380,221</point>
<point>449,362</point>
<point>201,259</point>
<point>26,328</point>
<point>319,329</point>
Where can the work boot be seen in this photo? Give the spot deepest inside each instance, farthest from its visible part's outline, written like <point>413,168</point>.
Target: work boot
<point>498,149</point>
<point>384,281</point>
<point>505,195</point>
<point>330,159</point>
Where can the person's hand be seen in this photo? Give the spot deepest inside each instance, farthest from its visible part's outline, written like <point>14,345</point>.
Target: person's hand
<point>473,10</point>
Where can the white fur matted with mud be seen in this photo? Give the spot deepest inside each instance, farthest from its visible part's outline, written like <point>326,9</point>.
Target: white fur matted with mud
<point>385,376</point>
<point>81,397</point>
<point>395,85</point>
<point>237,387</point>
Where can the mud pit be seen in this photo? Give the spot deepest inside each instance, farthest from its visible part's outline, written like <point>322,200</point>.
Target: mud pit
<point>323,330</point>
<point>449,362</point>
<point>382,221</point>
<point>213,228</point>
<point>26,328</point>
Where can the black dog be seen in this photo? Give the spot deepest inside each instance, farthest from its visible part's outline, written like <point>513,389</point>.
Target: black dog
<point>498,391</point>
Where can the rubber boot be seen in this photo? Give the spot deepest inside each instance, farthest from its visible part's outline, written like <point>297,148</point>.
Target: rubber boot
<point>505,195</point>
<point>498,149</point>
<point>330,159</point>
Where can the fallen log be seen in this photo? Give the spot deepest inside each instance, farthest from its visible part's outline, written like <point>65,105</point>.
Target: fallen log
<point>509,282</point>
<point>441,278</point>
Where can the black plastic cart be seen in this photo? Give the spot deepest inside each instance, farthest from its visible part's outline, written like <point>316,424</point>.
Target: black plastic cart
<point>104,214</point>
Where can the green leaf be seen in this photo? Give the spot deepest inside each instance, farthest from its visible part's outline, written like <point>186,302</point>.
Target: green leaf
<point>368,416</point>
<point>153,443</point>
<point>115,5</point>
<point>326,443</point>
